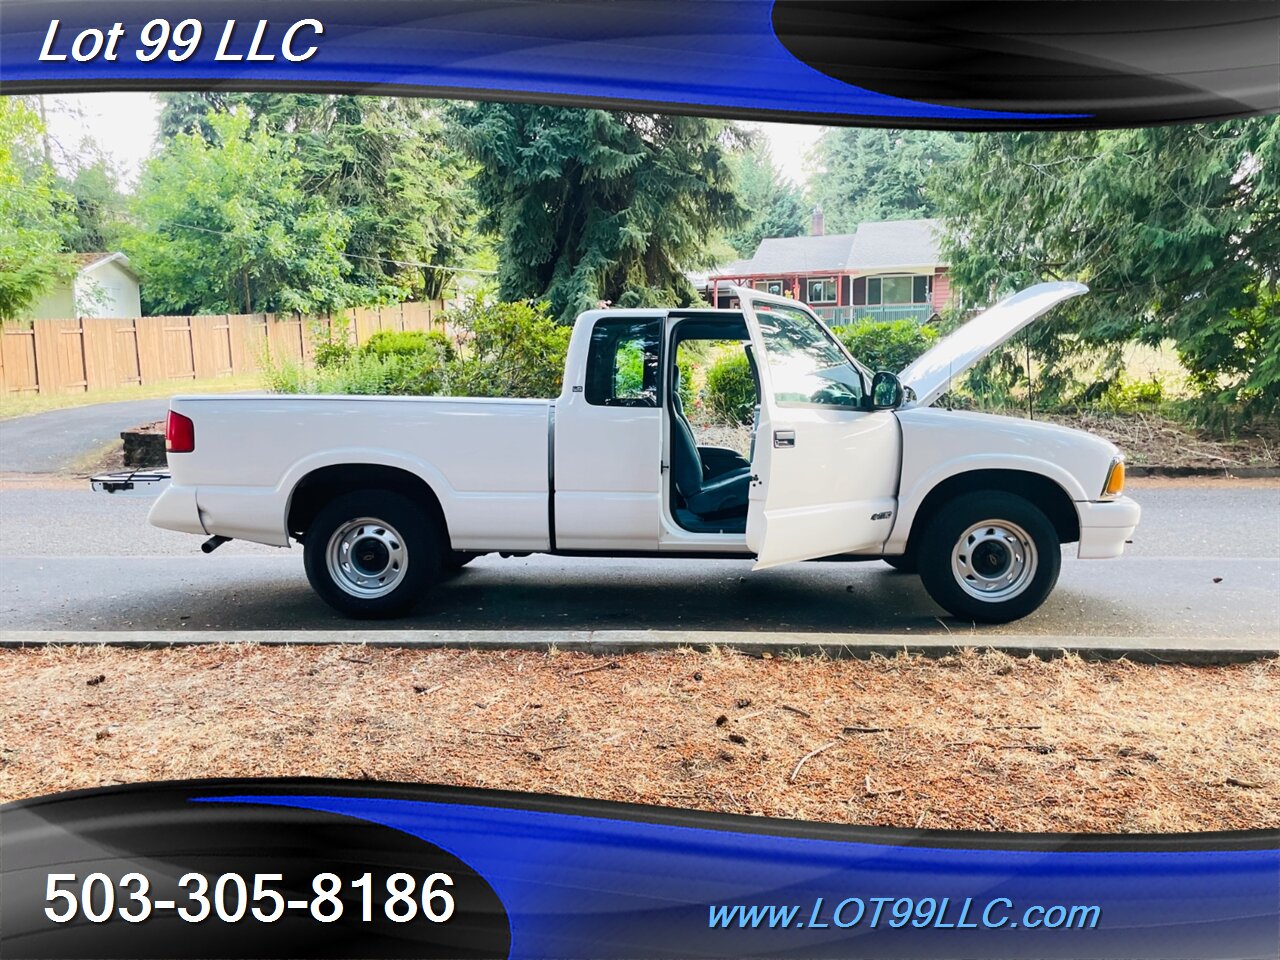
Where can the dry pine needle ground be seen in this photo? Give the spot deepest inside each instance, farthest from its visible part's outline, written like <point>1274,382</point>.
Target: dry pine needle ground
<point>976,741</point>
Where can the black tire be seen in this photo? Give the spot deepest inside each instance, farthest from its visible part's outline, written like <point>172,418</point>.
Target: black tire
<point>1017,587</point>
<point>903,564</point>
<point>396,528</point>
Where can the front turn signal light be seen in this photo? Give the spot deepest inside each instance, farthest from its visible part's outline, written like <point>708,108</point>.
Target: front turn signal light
<point>1115,479</point>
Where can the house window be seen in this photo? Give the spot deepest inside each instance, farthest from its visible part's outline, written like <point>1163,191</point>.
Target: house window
<point>899,290</point>
<point>822,291</point>
<point>769,286</point>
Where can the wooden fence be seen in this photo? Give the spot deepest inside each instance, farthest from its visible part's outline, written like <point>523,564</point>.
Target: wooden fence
<point>92,353</point>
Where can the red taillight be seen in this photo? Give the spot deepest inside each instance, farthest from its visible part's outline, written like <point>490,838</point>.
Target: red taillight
<point>179,434</point>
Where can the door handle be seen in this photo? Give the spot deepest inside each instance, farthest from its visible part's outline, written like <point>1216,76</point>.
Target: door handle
<point>784,438</point>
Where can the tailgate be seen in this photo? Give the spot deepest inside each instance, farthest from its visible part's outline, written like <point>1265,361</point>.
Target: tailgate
<point>131,483</point>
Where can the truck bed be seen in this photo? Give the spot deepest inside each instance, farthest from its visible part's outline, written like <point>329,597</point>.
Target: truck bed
<point>486,460</point>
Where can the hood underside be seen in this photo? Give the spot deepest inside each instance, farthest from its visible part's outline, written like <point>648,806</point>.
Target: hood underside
<point>932,374</point>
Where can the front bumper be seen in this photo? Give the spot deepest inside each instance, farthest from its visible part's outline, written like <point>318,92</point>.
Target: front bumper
<point>1105,527</point>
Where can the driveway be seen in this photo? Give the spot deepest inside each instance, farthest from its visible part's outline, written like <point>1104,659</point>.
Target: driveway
<point>54,442</point>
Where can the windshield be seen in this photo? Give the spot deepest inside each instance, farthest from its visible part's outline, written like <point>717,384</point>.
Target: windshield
<point>805,364</point>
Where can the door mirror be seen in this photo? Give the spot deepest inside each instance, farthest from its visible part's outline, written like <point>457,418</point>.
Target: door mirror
<point>886,391</point>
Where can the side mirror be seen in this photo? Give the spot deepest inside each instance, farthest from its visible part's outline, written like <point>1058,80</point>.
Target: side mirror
<point>886,391</point>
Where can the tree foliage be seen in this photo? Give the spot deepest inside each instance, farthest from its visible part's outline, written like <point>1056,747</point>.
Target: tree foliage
<point>32,213</point>
<point>97,208</point>
<point>1176,230</point>
<point>229,227</point>
<point>864,175</point>
<point>388,165</point>
<point>590,205</point>
<point>776,207</point>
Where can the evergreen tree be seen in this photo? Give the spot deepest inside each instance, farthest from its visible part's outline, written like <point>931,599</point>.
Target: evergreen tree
<point>1176,229</point>
<point>776,207</point>
<point>591,205</point>
<point>862,175</point>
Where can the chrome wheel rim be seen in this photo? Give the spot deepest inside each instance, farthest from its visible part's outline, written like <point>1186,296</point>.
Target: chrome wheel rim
<point>994,560</point>
<point>367,558</point>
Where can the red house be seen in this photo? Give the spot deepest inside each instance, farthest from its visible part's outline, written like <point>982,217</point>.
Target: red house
<point>891,270</point>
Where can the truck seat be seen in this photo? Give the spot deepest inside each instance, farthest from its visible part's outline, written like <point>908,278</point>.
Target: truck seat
<point>705,496</point>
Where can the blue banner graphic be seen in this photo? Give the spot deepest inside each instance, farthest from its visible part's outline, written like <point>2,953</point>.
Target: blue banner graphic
<point>1010,64</point>
<point>343,869</point>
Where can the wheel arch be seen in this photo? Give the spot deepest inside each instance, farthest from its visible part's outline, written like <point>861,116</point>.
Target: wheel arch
<point>1045,492</point>
<point>319,486</point>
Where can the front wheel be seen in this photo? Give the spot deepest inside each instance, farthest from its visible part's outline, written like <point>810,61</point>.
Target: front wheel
<point>372,554</point>
<point>905,563</point>
<point>990,557</point>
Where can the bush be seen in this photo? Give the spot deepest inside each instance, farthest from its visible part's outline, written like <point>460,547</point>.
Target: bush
<point>507,350</point>
<point>410,363</point>
<point>331,343</point>
<point>502,350</point>
<point>629,363</point>
<point>408,343</point>
<point>731,389</point>
<point>887,345</point>
<point>285,377</point>
<point>362,374</point>
<point>1123,395</point>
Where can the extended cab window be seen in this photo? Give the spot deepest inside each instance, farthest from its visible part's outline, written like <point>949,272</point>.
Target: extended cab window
<point>623,362</point>
<point>805,365</point>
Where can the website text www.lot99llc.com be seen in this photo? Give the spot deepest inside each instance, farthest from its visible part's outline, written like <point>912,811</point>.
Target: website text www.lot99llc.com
<point>897,912</point>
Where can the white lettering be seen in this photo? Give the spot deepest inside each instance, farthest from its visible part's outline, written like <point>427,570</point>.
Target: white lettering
<point>287,45</point>
<point>257,42</point>
<point>46,53</point>
<point>226,39</point>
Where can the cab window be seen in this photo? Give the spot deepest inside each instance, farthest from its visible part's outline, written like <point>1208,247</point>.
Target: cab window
<point>623,362</point>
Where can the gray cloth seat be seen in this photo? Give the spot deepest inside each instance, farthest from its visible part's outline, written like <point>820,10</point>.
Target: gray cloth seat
<point>705,496</point>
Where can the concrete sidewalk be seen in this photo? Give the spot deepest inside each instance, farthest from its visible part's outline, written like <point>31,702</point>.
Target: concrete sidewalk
<point>614,642</point>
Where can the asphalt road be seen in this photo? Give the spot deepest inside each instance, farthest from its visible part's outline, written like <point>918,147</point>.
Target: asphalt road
<point>55,441</point>
<point>1205,568</point>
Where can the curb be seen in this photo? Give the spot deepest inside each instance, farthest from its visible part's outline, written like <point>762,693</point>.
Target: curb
<point>1160,650</point>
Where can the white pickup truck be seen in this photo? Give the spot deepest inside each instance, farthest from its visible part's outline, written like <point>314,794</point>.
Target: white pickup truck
<point>387,494</point>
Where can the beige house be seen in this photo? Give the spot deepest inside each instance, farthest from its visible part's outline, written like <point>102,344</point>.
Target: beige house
<point>104,285</point>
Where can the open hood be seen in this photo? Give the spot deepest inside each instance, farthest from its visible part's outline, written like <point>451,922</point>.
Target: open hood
<point>932,374</point>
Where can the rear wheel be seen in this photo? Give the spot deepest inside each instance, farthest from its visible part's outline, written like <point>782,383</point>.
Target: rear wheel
<point>990,557</point>
<point>372,554</point>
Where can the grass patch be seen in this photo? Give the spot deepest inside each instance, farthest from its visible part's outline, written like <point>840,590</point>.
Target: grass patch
<point>24,404</point>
